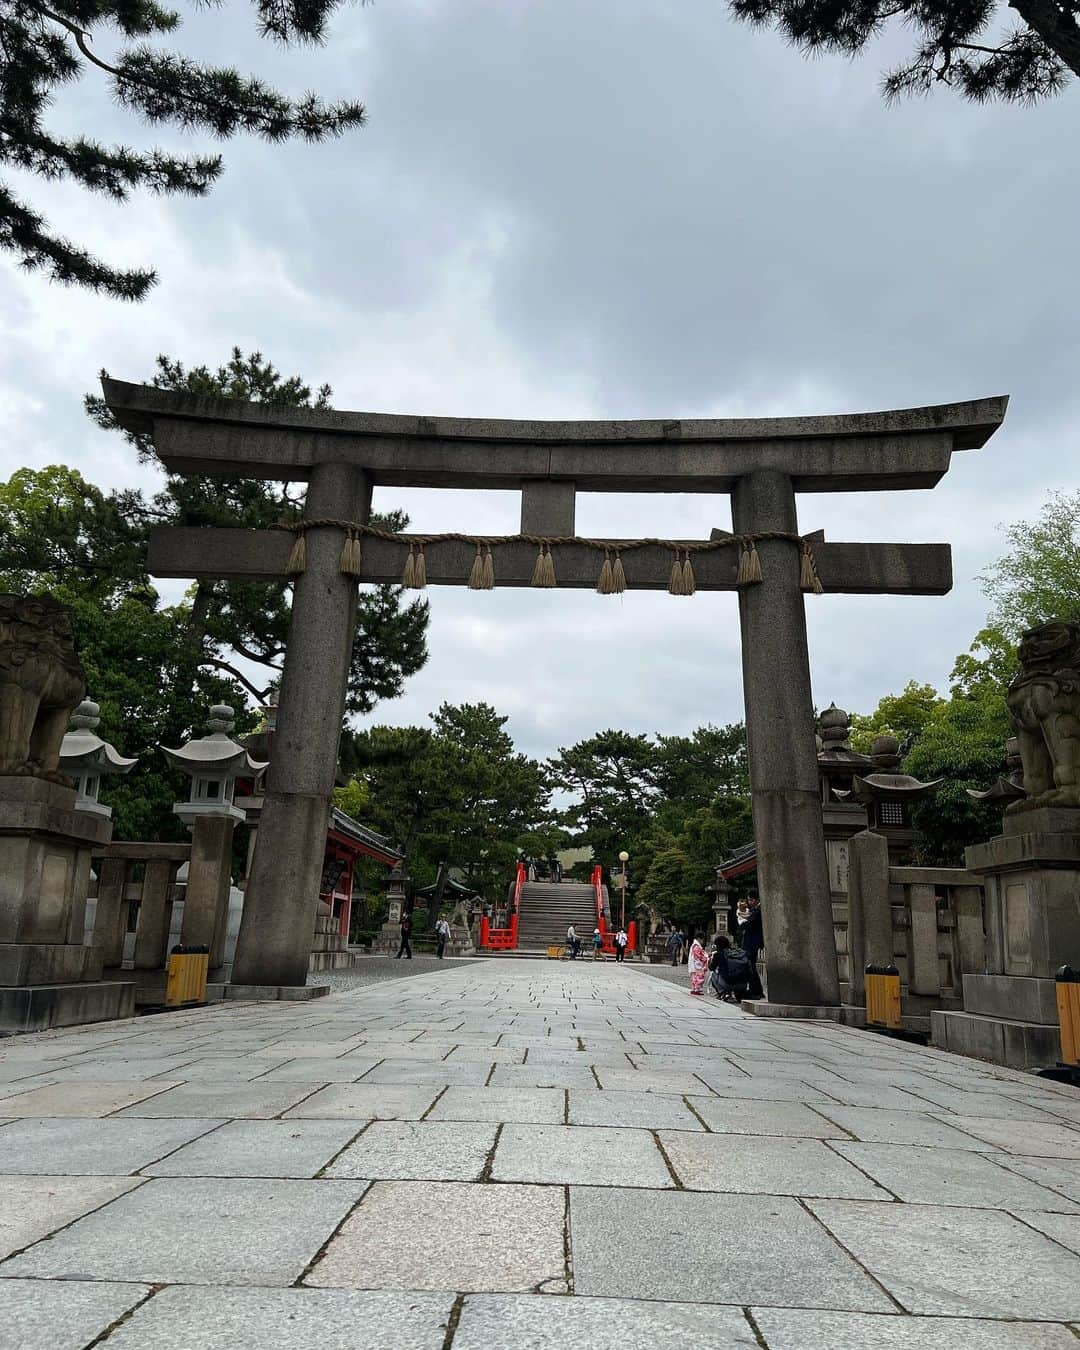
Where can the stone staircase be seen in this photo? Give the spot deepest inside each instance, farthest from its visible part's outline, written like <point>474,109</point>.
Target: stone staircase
<point>548,908</point>
<point>329,950</point>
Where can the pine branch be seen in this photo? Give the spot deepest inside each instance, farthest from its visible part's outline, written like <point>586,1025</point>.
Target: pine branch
<point>112,171</point>
<point>22,232</point>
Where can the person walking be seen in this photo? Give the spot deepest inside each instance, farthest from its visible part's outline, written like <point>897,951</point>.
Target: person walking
<point>406,932</point>
<point>698,964</point>
<point>752,940</point>
<point>573,942</point>
<point>675,946</point>
<point>597,943</point>
<point>442,936</point>
<point>621,940</point>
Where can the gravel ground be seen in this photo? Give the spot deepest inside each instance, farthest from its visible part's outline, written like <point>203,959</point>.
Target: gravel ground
<point>376,969</point>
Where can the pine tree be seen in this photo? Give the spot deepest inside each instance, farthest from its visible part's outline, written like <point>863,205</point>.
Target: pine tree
<point>44,47</point>
<point>955,41</point>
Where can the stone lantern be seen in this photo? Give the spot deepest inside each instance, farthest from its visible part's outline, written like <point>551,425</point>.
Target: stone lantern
<point>213,763</point>
<point>86,758</point>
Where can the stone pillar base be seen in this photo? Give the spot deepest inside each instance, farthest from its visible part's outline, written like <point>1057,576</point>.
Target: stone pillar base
<point>1001,1040</point>
<point>40,1007</point>
<point>272,993</point>
<point>805,1012</point>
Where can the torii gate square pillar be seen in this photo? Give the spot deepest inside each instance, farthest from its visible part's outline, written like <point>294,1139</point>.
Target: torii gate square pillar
<point>274,944</point>
<point>800,950</point>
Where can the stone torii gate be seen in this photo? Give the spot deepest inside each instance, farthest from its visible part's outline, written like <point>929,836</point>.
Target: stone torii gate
<point>761,462</point>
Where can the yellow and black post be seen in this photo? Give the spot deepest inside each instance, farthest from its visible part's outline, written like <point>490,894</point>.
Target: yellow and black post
<point>186,981</point>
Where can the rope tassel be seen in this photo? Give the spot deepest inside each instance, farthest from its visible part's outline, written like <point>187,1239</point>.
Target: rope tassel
<point>297,563</point>
<point>618,576</point>
<point>749,573</point>
<point>808,573</point>
<point>603,584</point>
<point>544,571</point>
<point>489,570</point>
<point>420,581</point>
<point>352,557</point>
<point>688,580</point>
<point>476,576</point>
<point>676,585</point>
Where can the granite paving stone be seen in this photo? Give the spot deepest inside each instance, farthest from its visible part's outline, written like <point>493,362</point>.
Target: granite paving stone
<point>649,1110</point>
<point>82,1147</point>
<point>259,1148</point>
<point>877,1126</point>
<point>1061,1174</point>
<point>81,1099</point>
<point>365,1101</point>
<point>739,1115</point>
<point>542,1075</point>
<point>941,1176</point>
<point>198,1231</point>
<point>315,1070</point>
<point>530,1106</point>
<point>32,1207</point>
<point>565,1154</point>
<point>258,1100</point>
<point>766,1166</point>
<point>1063,1228</point>
<point>787,1329</point>
<point>449,1236</point>
<point>536,1322</point>
<point>409,1150</point>
<point>1032,1138</point>
<point>681,1246</point>
<point>68,1316</point>
<point>293,1319</point>
<point>440,1072</point>
<point>961,1262</point>
<point>676,1083</point>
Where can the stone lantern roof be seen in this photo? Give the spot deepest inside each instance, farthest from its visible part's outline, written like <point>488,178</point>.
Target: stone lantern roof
<point>885,784</point>
<point>83,751</point>
<point>216,753</point>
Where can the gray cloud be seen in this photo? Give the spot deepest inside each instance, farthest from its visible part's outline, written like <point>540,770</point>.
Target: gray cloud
<point>634,210</point>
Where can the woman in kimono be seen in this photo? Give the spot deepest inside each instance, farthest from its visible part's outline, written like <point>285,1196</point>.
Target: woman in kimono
<point>698,965</point>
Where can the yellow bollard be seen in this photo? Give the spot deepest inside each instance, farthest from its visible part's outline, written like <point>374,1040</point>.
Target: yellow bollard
<point>1068,1002</point>
<point>186,980</point>
<point>883,997</point>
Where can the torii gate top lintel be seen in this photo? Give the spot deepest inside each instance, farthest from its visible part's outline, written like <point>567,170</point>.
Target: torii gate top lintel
<point>853,452</point>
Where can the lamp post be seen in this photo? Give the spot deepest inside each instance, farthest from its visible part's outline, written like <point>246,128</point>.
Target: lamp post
<point>624,858</point>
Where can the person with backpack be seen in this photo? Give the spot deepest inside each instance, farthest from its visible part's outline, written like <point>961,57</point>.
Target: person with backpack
<point>730,970</point>
<point>675,946</point>
<point>597,943</point>
<point>442,936</point>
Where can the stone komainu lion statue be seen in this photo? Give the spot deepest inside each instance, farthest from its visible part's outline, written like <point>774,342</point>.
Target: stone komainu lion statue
<point>1044,703</point>
<point>41,684</point>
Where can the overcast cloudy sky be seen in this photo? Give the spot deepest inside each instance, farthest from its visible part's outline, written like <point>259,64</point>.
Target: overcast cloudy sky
<point>639,209</point>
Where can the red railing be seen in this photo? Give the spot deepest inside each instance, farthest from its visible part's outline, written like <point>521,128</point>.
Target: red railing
<point>505,939</point>
<point>607,940</point>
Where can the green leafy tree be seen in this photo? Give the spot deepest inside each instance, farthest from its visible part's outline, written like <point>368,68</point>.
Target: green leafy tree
<point>457,792</point>
<point>44,47</point>
<point>613,777</point>
<point>902,715</point>
<point>1036,580</point>
<point>230,623</point>
<point>963,44</point>
<point>61,535</point>
<point>965,745</point>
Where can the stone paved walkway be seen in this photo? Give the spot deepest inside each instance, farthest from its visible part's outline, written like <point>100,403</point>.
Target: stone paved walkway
<point>442,1161</point>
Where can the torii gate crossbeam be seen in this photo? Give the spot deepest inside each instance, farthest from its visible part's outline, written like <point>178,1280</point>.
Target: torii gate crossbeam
<point>762,463</point>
